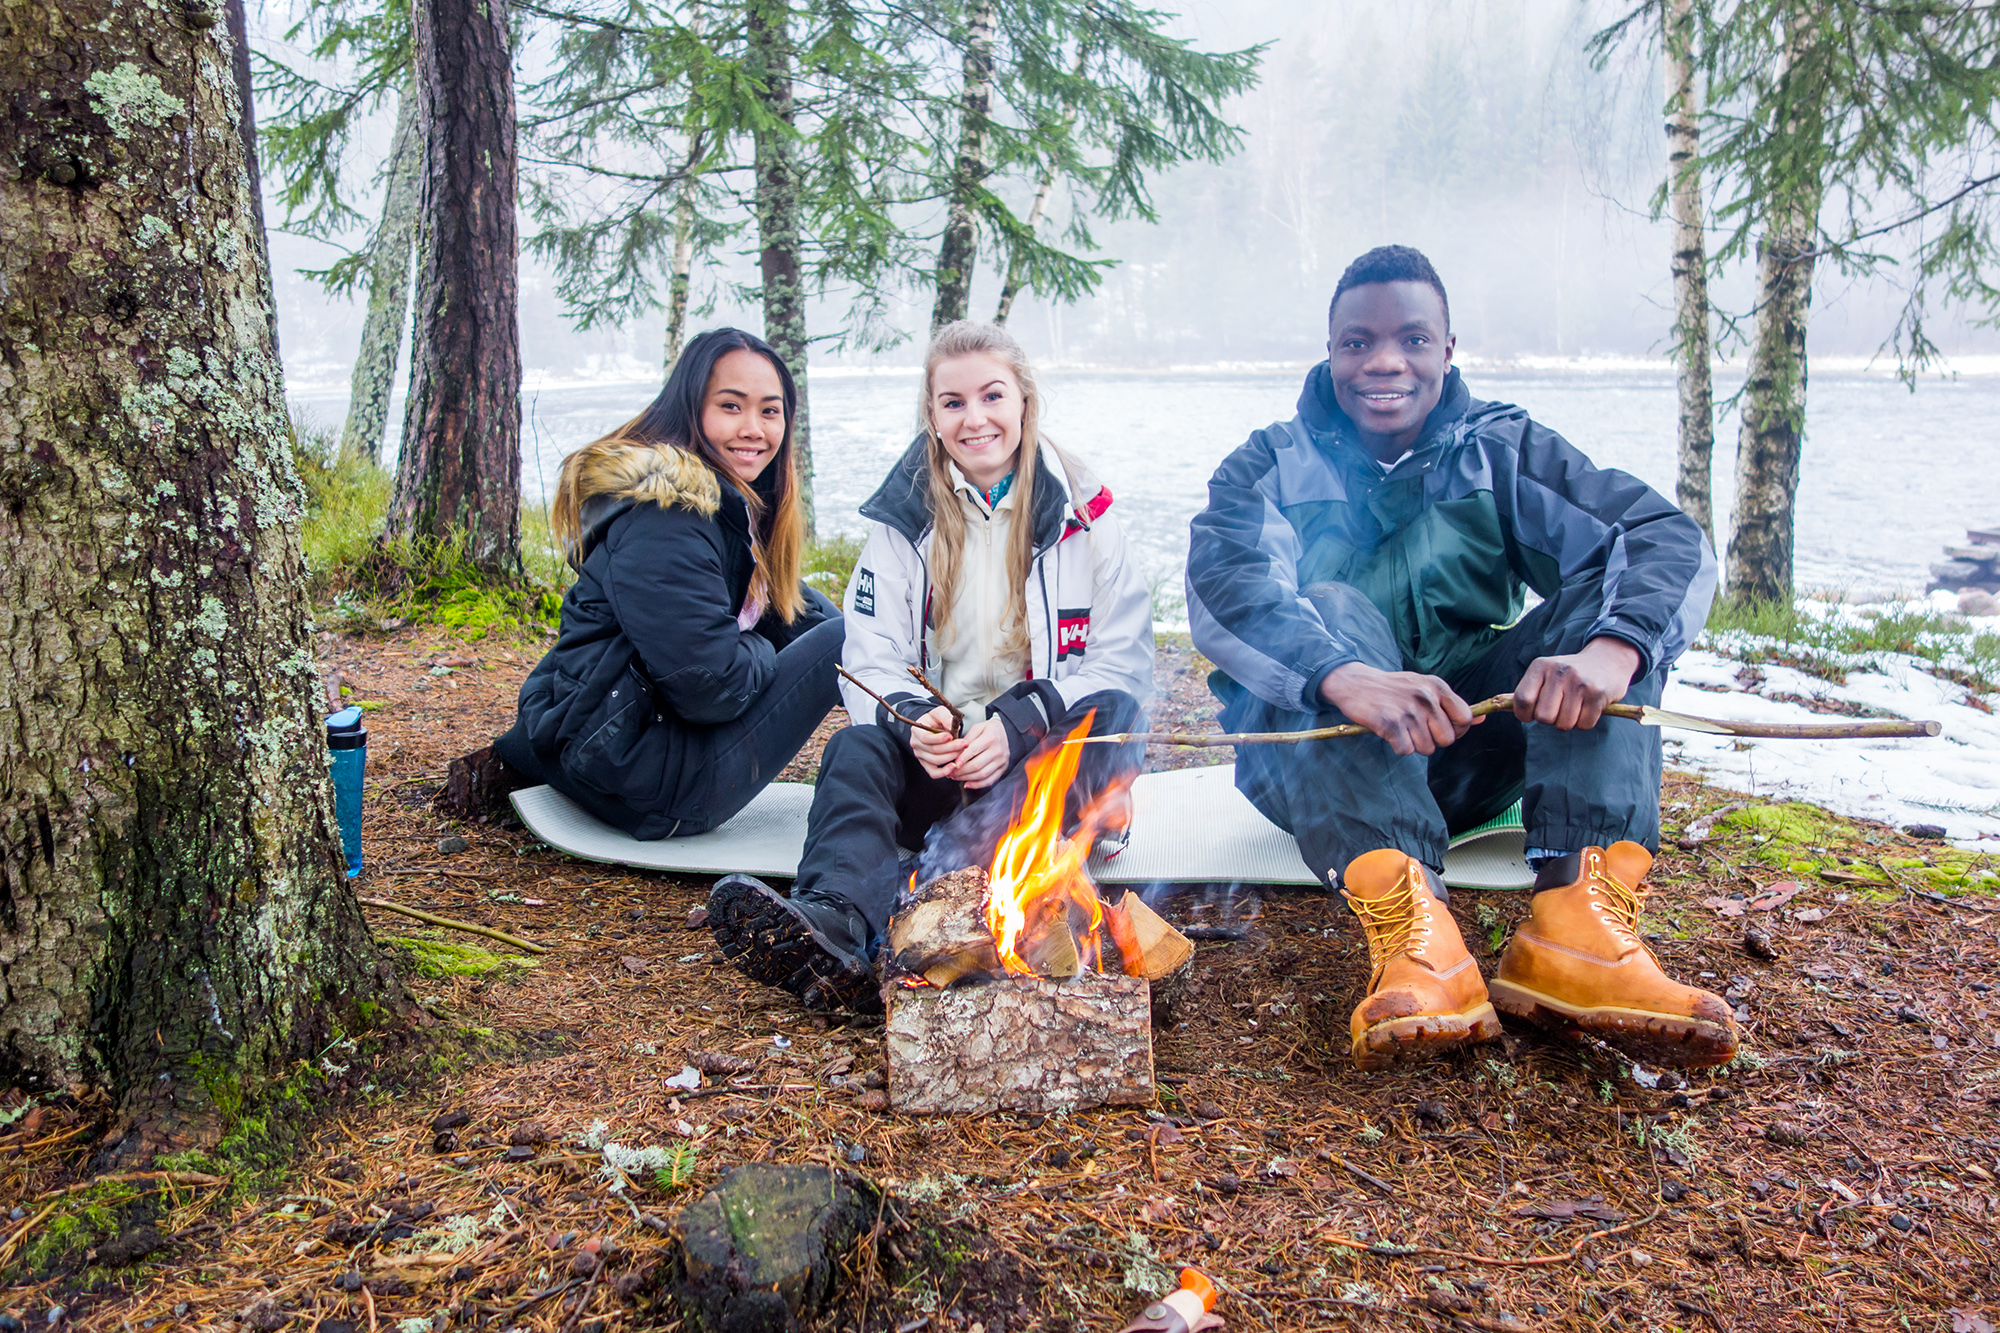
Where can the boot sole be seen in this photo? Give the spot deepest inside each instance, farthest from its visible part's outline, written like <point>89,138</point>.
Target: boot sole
<point>1661,1039</point>
<point>1424,1037</point>
<point>768,942</point>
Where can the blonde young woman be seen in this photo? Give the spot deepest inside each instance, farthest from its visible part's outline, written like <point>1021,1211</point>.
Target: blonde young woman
<point>994,565</point>
<point>693,663</point>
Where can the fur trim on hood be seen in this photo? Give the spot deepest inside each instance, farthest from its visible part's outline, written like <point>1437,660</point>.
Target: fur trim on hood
<point>663,473</point>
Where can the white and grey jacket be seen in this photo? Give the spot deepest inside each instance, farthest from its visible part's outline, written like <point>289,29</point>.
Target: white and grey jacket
<point>1089,610</point>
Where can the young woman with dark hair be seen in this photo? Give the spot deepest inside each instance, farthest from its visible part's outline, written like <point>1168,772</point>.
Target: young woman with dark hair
<point>693,662</point>
<point>992,565</point>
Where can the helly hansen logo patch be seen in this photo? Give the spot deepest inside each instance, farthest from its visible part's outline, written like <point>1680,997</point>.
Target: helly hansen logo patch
<point>1072,632</point>
<point>864,593</point>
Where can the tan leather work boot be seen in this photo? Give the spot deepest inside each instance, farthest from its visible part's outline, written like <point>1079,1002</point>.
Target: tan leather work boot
<point>1424,992</point>
<point>1578,962</point>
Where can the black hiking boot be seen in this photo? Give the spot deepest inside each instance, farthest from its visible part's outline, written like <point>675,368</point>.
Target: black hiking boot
<point>811,949</point>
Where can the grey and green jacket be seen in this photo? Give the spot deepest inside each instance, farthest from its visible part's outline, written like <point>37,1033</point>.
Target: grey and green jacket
<point>1445,544</point>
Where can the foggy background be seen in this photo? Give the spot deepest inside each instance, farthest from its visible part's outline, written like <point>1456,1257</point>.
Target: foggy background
<point>1476,130</point>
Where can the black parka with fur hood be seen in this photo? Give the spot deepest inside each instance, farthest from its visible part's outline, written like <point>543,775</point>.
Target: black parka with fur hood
<point>650,648</point>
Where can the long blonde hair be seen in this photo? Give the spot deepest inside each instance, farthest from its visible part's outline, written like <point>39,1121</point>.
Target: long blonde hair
<point>967,337</point>
<point>673,421</point>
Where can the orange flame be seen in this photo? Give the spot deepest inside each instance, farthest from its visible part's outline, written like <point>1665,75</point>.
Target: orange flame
<point>1035,869</point>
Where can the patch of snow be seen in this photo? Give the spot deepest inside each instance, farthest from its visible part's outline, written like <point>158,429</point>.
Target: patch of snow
<point>1952,779</point>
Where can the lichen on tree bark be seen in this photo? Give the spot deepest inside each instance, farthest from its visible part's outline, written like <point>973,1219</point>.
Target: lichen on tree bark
<point>1694,476</point>
<point>173,921</point>
<point>374,380</point>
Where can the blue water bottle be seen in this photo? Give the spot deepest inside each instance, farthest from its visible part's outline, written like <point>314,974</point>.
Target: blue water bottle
<point>348,740</point>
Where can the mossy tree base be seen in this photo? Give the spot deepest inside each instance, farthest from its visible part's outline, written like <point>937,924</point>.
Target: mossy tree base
<point>173,923</point>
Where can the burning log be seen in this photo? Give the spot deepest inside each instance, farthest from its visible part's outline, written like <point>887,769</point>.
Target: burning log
<point>942,935</point>
<point>1150,947</point>
<point>1021,1044</point>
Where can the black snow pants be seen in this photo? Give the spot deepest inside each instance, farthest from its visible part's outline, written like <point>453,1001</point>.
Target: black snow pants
<point>874,803</point>
<point>1341,798</point>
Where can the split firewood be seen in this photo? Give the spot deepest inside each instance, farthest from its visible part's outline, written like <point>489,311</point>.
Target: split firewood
<point>1150,946</point>
<point>944,929</point>
<point>1021,1044</point>
<point>1048,946</point>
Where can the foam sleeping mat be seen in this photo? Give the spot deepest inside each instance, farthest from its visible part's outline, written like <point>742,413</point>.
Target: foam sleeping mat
<point>1189,826</point>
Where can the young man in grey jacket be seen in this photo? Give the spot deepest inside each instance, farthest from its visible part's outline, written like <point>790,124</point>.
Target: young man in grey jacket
<point>1368,561</point>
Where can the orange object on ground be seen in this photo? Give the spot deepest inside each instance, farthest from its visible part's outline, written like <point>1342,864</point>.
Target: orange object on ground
<point>1186,1310</point>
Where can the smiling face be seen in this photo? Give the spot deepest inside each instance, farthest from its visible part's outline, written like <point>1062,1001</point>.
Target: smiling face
<point>743,413</point>
<point>976,408</point>
<point>1389,348</point>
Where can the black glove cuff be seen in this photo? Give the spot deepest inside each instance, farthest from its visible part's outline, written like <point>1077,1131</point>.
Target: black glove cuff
<point>908,708</point>
<point>1027,712</point>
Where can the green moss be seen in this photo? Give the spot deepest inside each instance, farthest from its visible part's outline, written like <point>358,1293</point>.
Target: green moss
<point>81,1221</point>
<point>439,958</point>
<point>1795,837</point>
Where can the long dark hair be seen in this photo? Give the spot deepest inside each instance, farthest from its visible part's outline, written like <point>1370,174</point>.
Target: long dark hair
<point>777,511</point>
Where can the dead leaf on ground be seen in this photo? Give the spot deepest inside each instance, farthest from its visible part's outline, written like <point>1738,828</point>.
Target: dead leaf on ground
<point>636,966</point>
<point>1811,915</point>
<point>1724,906</point>
<point>1965,1321</point>
<point>1775,896</point>
<point>1593,1209</point>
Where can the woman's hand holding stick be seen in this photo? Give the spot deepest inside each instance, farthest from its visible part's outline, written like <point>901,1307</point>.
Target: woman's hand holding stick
<point>957,718</point>
<point>891,707</point>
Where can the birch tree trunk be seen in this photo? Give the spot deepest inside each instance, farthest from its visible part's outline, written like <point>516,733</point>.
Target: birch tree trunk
<point>1011,287</point>
<point>1694,479</point>
<point>1759,563</point>
<point>374,378</point>
<point>459,471</point>
<point>680,280</point>
<point>958,252</point>
<point>778,230</point>
<point>174,922</point>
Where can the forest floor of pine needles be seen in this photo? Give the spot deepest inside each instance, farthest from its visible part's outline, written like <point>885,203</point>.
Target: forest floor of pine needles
<point>1841,1175</point>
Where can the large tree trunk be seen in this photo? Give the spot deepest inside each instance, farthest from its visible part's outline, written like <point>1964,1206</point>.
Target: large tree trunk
<point>374,379</point>
<point>959,249</point>
<point>778,219</point>
<point>1694,481</point>
<point>246,128</point>
<point>1759,564</point>
<point>459,471</point>
<point>174,923</point>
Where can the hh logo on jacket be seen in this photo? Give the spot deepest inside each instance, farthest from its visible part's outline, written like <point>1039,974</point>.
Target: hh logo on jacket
<point>864,593</point>
<point>1072,632</point>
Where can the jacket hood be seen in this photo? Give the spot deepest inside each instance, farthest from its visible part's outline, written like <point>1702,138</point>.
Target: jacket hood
<point>1323,415</point>
<point>611,478</point>
<point>1065,496</point>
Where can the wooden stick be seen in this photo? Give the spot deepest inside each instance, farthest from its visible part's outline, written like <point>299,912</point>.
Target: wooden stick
<point>957,718</point>
<point>886,704</point>
<point>1502,703</point>
<point>449,924</point>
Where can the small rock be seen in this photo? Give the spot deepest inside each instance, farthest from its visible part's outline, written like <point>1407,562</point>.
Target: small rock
<point>56,1312</point>
<point>1673,1191</point>
<point>1758,945</point>
<point>1786,1134</point>
<point>1640,1258</point>
<point>1976,602</point>
<point>873,1100</point>
<point>453,845</point>
<point>583,1265</point>
<point>348,1281</point>
<point>527,1134</point>
<point>20,1213</point>
<point>1434,1114</point>
<point>857,1153</point>
<point>520,1152</point>
<point>451,1120</point>
<point>1226,1183</point>
<point>697,917</point>
<point>1925,832</point>
<point>1905,1014</point>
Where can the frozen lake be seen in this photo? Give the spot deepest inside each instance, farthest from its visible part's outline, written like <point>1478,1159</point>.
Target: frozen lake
<point>1888,477</point>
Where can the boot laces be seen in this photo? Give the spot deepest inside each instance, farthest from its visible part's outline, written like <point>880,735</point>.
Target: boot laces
<point>1615,901</point>
<point>1392,924</point>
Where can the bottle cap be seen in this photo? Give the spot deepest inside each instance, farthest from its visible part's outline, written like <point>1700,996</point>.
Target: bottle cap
<point>347,719</point>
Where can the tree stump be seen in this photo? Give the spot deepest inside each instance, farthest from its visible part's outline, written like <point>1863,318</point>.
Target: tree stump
<point>477,785</point>
<point>763,1249</point>
<point>1021,1044</point>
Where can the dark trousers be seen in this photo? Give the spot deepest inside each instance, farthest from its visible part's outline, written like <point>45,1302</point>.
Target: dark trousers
<point>1341,798</point>
<point>720,768</point>
<point>874,801</point>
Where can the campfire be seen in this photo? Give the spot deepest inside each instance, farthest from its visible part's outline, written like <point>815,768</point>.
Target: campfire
<point>1014,985</point>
